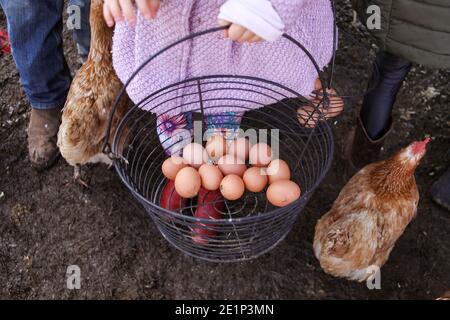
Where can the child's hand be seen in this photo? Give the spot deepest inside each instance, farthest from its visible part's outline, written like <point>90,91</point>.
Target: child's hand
<point>116,10</point>
<point>237,32</point>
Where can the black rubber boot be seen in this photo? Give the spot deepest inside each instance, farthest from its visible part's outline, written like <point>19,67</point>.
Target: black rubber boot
<point>440,191</point>
<point>360,149</point>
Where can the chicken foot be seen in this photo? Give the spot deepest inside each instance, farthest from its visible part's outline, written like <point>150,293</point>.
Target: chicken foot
<point>77,176</point>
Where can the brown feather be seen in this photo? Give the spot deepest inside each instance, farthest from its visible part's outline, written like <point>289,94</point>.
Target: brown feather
<point>91,97</point>
<point>369,215</point>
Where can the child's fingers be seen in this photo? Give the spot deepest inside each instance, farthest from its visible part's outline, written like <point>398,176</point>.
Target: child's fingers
<point>108,16</point>
<point>144,8</point>
<point>235,32</point>
<point>223,23</point>
<point>114,9</point>
<point>148,8</point>
<point>238,33</point>
<point>128,11</point>
<point>247,36</point>
<point>255,38</point>
<point>317,84</point>
<point>154,7</point>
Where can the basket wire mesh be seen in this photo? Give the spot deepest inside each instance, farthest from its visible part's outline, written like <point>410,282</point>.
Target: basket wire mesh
<point>250,226</point>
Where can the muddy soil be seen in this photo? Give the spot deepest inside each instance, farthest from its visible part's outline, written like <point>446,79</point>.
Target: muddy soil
<point>48,222</point>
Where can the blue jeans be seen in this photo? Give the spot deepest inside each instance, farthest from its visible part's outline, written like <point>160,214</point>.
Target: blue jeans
<point>35,32</point>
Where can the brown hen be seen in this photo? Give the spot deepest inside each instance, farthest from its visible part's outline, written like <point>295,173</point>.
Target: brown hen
<point>91,97</point>
<point>369,215</point>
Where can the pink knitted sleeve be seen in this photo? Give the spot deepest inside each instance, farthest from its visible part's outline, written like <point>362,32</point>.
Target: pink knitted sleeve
<point>288,10</point>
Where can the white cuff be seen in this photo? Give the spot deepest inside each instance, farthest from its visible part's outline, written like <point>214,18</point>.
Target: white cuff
<point>258,16</point>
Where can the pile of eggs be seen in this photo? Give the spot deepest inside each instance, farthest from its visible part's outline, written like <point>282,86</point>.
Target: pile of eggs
<point>223,166</point>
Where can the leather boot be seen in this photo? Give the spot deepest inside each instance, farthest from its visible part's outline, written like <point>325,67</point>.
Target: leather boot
<point>360,150</point>
<point>42,137</point>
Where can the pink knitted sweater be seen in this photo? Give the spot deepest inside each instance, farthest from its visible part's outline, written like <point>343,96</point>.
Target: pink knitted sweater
<point>308,21</point>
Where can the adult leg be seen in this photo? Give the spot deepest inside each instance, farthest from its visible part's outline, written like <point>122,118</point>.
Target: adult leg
<point>377,106</point>
<point>35,32</point>
<point>440,191</point>
<point>364,144</point>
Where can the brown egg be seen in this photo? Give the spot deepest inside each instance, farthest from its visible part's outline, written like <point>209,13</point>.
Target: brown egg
<point>171,166</point>
<point>240,148</point>
<point>278,170</point>
<point>211,176</point>
<point>230,164</point>
<point>195,155</point>
<point>260,155</point>
<point>216,147</point>
<point>255,179</point>
<point>188,182</point>
<point>283,192</point>
<point>232,187</point>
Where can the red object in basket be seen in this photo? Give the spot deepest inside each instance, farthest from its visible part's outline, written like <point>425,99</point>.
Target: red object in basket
<point>4,42</point>
<point>170,199</point>
<point>210,206</point>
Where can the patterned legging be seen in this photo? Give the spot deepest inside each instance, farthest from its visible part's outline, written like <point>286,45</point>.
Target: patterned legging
<point>176,131</point>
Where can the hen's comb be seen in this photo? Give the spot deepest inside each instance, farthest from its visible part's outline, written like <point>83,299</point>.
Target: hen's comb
<point>419,146</point>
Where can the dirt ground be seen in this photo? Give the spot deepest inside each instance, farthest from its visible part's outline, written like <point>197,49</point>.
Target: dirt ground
<point>47,222</point>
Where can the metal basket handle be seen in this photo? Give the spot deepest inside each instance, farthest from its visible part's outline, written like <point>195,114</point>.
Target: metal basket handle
<point>106,145</point>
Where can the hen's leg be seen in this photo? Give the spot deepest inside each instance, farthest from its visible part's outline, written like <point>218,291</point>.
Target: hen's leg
<point>77,176</point>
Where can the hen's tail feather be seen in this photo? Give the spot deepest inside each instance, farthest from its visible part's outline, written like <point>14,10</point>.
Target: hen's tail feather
<point>346,247</point>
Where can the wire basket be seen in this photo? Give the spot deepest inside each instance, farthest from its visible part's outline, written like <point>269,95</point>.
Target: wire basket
<point>250,226</point>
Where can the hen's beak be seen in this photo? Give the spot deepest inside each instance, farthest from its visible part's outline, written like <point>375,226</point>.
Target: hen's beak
<point>419,147</point>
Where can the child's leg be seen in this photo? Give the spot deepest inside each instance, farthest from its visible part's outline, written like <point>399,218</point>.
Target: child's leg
<point>377,105</point>
<point>226,124</point>
<point>174,132</point>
